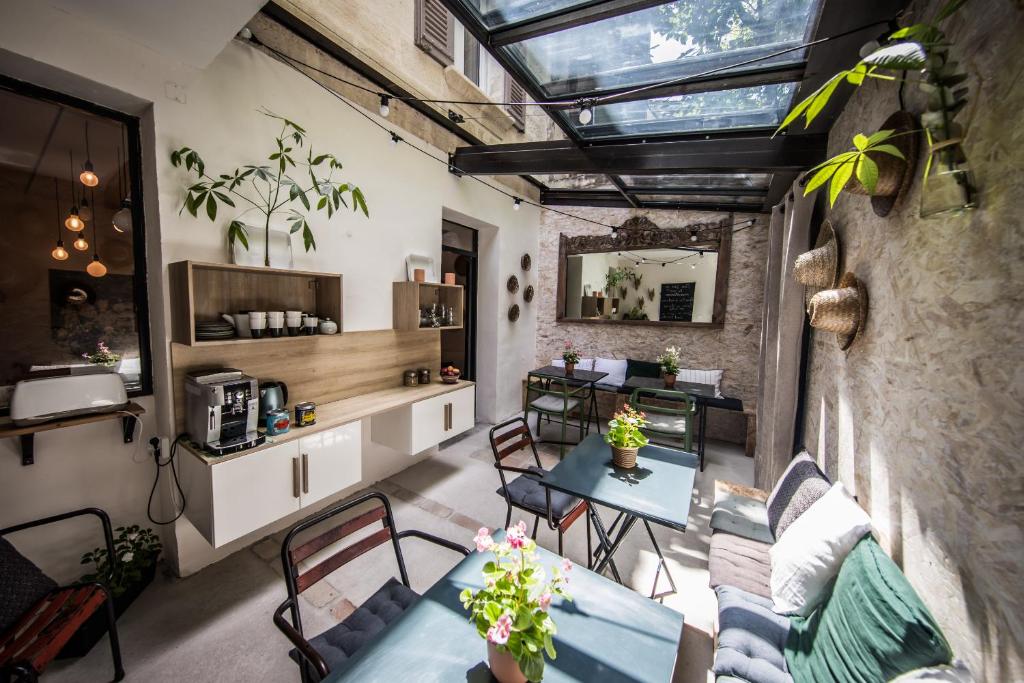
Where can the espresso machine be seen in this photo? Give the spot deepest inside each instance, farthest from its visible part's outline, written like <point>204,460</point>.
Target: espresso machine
<point>222,410</point>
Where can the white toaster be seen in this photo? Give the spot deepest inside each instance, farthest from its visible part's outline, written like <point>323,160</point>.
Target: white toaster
<point>50,398</point>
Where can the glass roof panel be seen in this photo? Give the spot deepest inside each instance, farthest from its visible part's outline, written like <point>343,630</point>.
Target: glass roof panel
<point>700,199</point>
<point>499,13</point>
<point>759,106</point>
<point>759,181</point>
<point>674,40</point>
<point>576,181</point>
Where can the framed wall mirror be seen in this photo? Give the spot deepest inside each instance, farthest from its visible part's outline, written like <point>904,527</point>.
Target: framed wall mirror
<point>646,275</point>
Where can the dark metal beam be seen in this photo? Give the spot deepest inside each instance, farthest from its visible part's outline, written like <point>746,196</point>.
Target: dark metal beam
<point>717,155</point>
<point>612,199</point>
<point>565,19</point>
<point>621,187</point>
<point>700,190</point>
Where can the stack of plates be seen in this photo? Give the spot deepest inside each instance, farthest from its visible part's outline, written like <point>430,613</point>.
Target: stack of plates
<point>207,330</point>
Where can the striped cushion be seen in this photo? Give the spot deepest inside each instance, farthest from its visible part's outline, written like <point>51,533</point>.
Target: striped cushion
<point>694,376</point>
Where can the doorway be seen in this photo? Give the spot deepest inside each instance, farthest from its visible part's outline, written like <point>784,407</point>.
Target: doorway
<point>459,255</point>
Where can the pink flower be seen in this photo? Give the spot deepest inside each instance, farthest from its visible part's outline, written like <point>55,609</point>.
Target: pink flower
<point>483,539</point>
<point>516,535</point>
<point>545,601</point>
<point>500,631</point>
<point>566,564</point>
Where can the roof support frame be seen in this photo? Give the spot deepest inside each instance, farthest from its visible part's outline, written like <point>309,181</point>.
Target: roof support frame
<point>567,18</point>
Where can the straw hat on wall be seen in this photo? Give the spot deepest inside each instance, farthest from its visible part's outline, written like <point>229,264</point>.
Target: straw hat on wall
<point>843,310</point>
<point>818,268</point>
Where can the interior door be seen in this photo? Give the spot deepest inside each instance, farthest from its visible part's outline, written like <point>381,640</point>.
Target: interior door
<point>331,461</point>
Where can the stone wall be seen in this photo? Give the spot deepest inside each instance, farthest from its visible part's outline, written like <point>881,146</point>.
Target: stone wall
<point>924,416</point>
<point>733,347</point>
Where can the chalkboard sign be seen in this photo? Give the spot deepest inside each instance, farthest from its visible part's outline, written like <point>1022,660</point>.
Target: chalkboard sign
<point>677,301</point>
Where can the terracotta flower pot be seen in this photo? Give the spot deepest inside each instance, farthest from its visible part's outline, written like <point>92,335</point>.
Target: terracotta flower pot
<point>670,381</point>
<point>503,665</point>
<point>570,368</point>
<point>624,457</point>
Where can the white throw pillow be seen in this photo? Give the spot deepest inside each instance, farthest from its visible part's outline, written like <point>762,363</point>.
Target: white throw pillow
<point>616,370</point>
<point>957,673</point>
<point>808,556</point>
<point>583,364</point>
<point>695,376</point>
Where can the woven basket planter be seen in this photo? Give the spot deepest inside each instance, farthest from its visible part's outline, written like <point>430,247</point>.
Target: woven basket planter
<point>624,457</point>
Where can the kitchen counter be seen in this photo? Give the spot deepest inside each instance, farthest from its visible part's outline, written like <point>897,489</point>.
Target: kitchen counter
<point>337,413</point>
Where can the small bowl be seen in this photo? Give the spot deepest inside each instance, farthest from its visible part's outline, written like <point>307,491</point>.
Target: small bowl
<point>451,379</point>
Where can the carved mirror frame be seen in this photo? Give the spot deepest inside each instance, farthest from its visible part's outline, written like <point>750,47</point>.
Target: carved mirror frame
<point>639,233</point>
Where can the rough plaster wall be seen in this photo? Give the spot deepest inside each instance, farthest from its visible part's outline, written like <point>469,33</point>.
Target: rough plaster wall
<point>925,414</point>
<point>733,347</point>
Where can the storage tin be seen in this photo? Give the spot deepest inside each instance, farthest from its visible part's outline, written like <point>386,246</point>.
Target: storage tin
<point>305,414</point>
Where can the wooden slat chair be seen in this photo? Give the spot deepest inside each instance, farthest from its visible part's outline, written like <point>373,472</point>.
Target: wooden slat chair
<point>320,655</point>
<point>559,399</point>
<point>525,492</point>
<point>667,426</point>
<point>38,617</point>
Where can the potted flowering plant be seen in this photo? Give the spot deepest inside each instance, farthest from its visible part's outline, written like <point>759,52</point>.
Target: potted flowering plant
<point>571,357</point>
<point>670,365</point>
<point>102,356</point>
<point>511,611</point>
<point>625,437</point>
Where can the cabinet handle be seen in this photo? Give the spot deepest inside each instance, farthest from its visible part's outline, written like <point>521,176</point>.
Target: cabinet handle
<point>305,473</point>
<point>449,417</point>
<point>295,477</point>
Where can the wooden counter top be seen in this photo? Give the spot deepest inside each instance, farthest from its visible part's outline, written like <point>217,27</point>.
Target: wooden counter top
<point>337,413</point>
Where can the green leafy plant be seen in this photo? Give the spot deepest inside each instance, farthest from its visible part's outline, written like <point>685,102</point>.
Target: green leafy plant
<point>919,48</point>
<point>511,611</point>
<point>624,429</point>
<point>269,189</point>
<point>670,360</point>
<point>614,277</point>
<point>102,355</point>
<point>570,354</point>
<point>135,549</point>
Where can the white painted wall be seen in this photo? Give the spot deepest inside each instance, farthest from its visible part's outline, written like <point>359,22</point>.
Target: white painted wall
<point>407,194</point>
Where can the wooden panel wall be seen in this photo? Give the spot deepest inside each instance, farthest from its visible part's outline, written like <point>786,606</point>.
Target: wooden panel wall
<point>322,368</point>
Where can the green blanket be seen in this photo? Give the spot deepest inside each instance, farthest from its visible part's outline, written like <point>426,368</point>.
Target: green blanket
<point>873,627</point>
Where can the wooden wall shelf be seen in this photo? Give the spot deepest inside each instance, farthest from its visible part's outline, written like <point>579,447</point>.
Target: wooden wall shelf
<point>27,434</point>
<point>410,297</point>
<point>204,291</point>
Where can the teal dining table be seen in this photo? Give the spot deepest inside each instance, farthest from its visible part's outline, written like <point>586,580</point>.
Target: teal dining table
<point>607,633</point>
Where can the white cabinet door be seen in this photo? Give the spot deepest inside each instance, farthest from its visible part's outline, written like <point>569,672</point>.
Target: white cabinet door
<point>331,461</point>
<point>414,428</point>
<point>253,490</point>
<point>428,423</point>
<point>462,413</point>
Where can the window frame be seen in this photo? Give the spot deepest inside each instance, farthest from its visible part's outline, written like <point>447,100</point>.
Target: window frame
<point>140,285</point>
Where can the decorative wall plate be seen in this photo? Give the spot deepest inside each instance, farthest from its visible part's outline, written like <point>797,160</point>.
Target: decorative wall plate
<point>528,294</point>
<point>512,284</point>
<point>513,312</point>
<point>526,262</point>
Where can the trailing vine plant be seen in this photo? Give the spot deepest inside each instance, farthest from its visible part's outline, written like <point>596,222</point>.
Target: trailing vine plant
<point>922,48</point>
<point>269,189</point>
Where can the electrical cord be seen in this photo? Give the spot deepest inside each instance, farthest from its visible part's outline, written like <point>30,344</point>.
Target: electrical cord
<point>155,443</point>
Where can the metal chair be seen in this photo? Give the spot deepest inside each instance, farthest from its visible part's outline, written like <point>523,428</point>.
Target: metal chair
<point>556,398</point>
<point>320,655</point>
<point>525,492</point>
<point>668,423</point>
<point>47,615</point>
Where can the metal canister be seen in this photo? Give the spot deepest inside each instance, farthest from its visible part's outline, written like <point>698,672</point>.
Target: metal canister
<point>409,378</point>
<point>277,422</point>
<point>305,414</point>
<point>424,375</point>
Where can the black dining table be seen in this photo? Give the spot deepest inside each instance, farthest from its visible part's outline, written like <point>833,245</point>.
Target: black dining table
<point>606,633</point>
<point>577,378</point>
<point>658,489</point>
<point>702,394</point>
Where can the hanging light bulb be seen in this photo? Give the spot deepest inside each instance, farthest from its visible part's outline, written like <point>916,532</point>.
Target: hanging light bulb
<point>88,175</point>
<point>693,266</point>
<point>516,202</point>
<point>122,218</point>
<point>59,253</point>
<point>73,222</point>
<point>95,267</point>
<point>86,211</point>
<point>586,115</point>
<point>395,139</point>
<point>385,107</point>
<point>693,235</point>
<point>80,244</point>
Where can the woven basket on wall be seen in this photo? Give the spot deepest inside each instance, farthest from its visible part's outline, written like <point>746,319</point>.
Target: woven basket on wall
<point>842,310</point>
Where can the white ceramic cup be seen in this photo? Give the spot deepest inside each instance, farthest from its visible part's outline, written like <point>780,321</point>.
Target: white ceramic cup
<point>275,318</point>
<point>293,314</point>
<point>257,320</point>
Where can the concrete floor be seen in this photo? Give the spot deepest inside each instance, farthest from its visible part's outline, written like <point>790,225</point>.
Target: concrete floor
<point>216,625</point>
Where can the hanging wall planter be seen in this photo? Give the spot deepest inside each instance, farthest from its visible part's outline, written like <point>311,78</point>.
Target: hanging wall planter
<point>843,310</point>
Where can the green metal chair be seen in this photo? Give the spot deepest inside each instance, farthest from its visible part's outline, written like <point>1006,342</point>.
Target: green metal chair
<point>668,423</point>
<point>556,399</point>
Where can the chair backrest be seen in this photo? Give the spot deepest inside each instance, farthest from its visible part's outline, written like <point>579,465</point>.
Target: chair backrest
<point>687,405</point>
<point>517,429</point>
<point>565,389</point>
<point>291,557</point>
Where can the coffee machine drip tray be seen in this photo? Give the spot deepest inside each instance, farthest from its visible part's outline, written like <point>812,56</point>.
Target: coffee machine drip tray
<point>235,444</point>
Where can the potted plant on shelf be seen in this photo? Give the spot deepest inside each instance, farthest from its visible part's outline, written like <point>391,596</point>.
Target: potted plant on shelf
<point>625,437</point>
<point>511,611</point>
<point>269,190</point>
<point>570,356</point>
<point>670,365</point>
<point>134,567</point>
